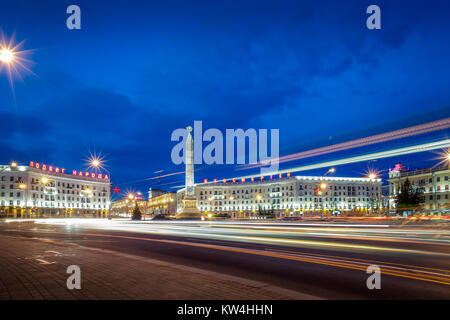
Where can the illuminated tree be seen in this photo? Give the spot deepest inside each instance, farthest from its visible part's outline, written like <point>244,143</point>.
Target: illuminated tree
<point>136,213</point>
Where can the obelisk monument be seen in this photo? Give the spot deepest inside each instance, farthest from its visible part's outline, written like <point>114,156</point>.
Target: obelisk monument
<point>190,209</point>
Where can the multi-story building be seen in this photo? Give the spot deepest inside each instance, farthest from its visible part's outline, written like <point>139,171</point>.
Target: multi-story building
<point>159,202</point>
<point>152,193</point>
<point>162,202</point>
<point>287,195</point>
<point>433,182</point>
<point>124,207</point>
<point>40,190</point>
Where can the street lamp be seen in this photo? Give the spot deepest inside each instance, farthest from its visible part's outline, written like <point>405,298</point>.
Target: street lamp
<point>22,186</point>
<point>95,163</point>
<point>372,176</point>
<point>6,55</point>
<point>323,186</point>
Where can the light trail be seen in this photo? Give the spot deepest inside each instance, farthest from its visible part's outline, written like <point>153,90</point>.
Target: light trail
<point>377,155</point>
<point>418,273</point>
<point>383,137</point>
<point>271,234</point>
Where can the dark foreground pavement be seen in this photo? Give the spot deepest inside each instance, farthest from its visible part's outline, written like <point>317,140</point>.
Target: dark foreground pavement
<point>36,269</point>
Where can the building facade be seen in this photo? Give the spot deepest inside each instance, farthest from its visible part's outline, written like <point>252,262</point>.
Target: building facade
<point>287,196</point>
<point>39,190</point>
<point>124,207</point>
<point>162,203</point>
<point>433,182</point>
<point>159,202</point>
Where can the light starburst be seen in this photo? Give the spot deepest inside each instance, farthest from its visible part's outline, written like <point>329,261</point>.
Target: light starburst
<point>13,59</point>
<point>372,173</point>
<point>96,162</point>
<point>443,156</point>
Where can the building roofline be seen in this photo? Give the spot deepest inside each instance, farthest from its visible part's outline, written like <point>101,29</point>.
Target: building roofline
<point>7,168</point>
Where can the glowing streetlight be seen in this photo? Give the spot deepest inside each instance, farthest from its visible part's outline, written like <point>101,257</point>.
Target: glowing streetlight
<point>130,196</point>
<point>95,163</point>
<point>12,59</point>
<point>372,176</point>
<point>22,186</point>
<point>258,197</point>
<point>44,180</point>
<point>444,157</point>
<point>13,164</point>
<point>6,55</point>
<point>322,186</point>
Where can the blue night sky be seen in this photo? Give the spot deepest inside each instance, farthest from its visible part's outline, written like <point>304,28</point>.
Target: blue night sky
<point>137,70</point>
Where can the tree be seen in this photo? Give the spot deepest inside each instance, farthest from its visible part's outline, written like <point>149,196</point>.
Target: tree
<point>407,197</point>
<point>136,213</point>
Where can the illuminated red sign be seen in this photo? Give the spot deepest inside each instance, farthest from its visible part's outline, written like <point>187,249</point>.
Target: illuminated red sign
<point>45,167</point>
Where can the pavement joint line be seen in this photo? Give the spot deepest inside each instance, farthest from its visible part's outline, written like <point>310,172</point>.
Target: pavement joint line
<point>225,277</point>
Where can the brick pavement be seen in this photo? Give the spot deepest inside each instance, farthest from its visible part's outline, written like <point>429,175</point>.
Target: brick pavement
<point>36,269</point>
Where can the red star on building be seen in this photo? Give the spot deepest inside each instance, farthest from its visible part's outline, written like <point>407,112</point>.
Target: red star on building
<point>116,190</point>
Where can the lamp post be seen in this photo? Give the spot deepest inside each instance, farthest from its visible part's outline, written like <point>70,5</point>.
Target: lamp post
<point>372,176</point>
<point>22,186</point>
<point>96,162</point>
<point>132,198</point>
<point>44,181</point>
<point>323,187</point>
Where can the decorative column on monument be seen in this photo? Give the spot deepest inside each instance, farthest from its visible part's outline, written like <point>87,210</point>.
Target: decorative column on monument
<point>190,209</point>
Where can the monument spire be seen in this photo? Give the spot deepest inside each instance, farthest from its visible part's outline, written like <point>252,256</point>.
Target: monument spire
<point>189,163</point>
<point>190,209</point>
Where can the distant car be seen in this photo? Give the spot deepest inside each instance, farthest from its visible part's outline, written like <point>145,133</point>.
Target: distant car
<point>292,218</point>
<point>222,216</point>
<point>161,217</point>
